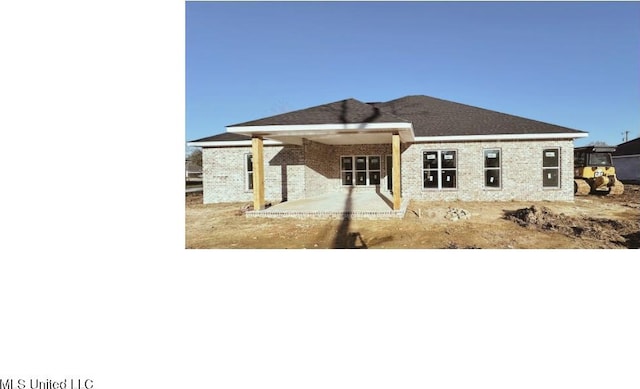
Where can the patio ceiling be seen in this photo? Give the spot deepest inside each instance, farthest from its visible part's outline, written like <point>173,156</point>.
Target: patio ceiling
<point>331,134</point>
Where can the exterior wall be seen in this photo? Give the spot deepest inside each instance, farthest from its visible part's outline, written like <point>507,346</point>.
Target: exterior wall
<point>285,169</point>
<point>225,178</point>
<point>521,171</point>
<point>295,172</point>
<point>627,167</point>
<point>322,169</point>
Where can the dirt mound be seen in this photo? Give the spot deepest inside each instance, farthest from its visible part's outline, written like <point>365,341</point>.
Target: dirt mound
<point>542,218</point>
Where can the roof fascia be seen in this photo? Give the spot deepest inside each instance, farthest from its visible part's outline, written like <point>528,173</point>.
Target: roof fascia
<point>453,138</point>
<point>232,143</point>
<point>319,127</point>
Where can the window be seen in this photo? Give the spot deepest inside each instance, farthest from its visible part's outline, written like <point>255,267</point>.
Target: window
<point>360,170</point>
<point>374,170</point>
<point>599,159</point>
<point>249,171</point>
<point>439,169</point>
<point>347,170</point>
<point>550,168</point>
<point>492,168</point>
<point>579,159</point>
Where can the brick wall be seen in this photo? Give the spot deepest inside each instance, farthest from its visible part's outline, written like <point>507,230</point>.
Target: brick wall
<point>322,172</point>
<point>521,171</point>
<point>294,172</point>
<point>225,178</point>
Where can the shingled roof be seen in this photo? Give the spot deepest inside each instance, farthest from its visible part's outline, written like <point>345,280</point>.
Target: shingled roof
<point>224,137</point>
<point>436,117</point>
<point>344,111</point>
<point>429,116</point>
<point>631,147</point>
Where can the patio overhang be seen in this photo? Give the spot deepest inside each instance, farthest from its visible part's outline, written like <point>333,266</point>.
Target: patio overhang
<point>331,134</point>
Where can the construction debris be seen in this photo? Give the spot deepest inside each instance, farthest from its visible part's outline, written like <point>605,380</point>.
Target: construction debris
<point>455,214</point>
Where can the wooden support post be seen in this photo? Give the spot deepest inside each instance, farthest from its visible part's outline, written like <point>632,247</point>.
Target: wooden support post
<point>258,173</point>
<point>395,151</point>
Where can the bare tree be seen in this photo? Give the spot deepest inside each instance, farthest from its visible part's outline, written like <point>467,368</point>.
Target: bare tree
<point>598,143</point>
<point>195,158</point>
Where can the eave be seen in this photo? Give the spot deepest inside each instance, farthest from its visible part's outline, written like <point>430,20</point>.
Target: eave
<point>338,133</point>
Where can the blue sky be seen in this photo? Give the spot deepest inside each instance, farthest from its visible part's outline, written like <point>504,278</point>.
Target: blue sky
<point>571,64</point>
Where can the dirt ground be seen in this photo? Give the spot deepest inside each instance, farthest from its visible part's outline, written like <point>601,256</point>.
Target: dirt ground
<point>591,222</point>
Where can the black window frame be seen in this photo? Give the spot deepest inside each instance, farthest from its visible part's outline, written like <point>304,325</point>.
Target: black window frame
<point>445,174</point>
<point>550,168</point>
<point>490,173</point>
<point>371,176</point>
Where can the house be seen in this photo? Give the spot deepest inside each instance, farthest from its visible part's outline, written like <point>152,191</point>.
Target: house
<point>414,147</point>
<point>626,160</point>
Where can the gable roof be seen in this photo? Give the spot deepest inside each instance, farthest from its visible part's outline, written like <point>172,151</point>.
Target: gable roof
<point>631,147</point>
<point>436,117</point>
<point>343,111</point>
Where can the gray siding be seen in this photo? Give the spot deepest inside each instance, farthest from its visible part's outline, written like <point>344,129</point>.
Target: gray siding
<point>627,167</point>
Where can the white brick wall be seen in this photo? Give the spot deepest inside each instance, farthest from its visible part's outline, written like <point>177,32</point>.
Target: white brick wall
<point>225,178</point>
<point>296,172</point>
<point>521,171</point>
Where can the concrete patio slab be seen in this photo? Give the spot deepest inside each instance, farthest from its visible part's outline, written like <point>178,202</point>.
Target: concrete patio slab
<point>355,204</point>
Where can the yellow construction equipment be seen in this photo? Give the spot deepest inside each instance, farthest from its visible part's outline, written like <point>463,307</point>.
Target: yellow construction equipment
<point>594,172</point>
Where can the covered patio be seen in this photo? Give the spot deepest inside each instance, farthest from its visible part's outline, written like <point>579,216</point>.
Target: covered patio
<point>347,204</point>
<point>344,123</point>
